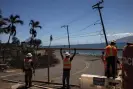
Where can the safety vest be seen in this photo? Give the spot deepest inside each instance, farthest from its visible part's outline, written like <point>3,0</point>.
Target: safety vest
<point>66,63</point>
<point>111,51</point>
<point>27,63</point>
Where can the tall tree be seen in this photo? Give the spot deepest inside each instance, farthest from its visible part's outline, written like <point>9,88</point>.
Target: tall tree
<point>12,20</point>
<point>2,23</point>
<point>37,42</point>
<point>33,32</point>
<point>15,40</point>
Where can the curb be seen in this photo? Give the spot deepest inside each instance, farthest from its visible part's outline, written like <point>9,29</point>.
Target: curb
<point>53,83</point>
<point>21,85</point>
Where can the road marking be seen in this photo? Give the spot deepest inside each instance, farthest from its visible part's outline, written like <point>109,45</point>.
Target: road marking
<point>11,75</point>
<point>9,71</point>
<point>86,66</point>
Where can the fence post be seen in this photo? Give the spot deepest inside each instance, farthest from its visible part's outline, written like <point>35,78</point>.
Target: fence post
<point>3,55</point>
<point>48,66</point>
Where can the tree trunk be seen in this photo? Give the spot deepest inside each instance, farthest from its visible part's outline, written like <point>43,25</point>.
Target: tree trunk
<point>9,39</point>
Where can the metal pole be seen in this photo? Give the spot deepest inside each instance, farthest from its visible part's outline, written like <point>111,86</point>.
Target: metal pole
<point>99,9</point>
<point>48,67</point>
<point>68,38</point>
<point>3,55</point>
<point>49,63</point>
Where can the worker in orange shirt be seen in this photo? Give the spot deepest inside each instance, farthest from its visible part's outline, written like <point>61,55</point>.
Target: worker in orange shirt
<point>111,57</point>
<point>66,67</point>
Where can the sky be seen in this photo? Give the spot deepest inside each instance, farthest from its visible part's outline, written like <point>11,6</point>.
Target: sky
<point>77,14</point>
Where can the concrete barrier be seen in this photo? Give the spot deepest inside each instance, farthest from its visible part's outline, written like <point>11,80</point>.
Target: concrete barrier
<point>97,82</point>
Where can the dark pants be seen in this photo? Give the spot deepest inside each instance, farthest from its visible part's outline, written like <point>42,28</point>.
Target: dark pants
<point>66,77</point>
<point>111,63</point>
<point>28,78</point>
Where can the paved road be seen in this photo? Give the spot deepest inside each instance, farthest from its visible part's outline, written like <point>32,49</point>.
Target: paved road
<point>80,65</point>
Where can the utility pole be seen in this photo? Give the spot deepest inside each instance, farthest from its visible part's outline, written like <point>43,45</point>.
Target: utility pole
<point>67,35</point>
<point>97,6</point>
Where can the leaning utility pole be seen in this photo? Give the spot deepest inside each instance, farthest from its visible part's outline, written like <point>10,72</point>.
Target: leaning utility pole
<point>97,6</point>
<point>67,34</point>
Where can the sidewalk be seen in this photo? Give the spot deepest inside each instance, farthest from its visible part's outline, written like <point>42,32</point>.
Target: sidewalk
<point>5,85</point>
<point>12,70</point>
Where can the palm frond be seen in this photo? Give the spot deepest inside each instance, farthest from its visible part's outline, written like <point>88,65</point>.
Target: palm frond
<point>16,16</point>
<point>31,22</point>
<point>19,21</point>
<point>11,16</point>
<point>39,27</point>
<point>7,29</point>
<point>37,23</point>
<point>2,31</point>
<point>6,19</point>
<point>2,23</point>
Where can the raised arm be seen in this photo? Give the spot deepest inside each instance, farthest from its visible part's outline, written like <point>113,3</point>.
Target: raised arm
<point>61,54</point>
<point>73,55</point>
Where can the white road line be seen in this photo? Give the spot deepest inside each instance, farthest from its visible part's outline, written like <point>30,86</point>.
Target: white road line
<point>86,66</point>
<point>11,75</point>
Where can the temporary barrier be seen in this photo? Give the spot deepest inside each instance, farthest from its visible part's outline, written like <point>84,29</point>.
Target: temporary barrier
<point>98,82</point>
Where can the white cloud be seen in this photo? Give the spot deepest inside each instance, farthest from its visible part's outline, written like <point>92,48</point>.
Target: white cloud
<point>118,35</point>
<point>121,34</point>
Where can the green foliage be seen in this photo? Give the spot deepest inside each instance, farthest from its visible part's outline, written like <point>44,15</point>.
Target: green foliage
<point>11,29</point>
<point>34,24</point>
<point>15,41</point>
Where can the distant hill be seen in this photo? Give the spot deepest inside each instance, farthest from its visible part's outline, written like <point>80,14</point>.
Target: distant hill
<point>125,39</point>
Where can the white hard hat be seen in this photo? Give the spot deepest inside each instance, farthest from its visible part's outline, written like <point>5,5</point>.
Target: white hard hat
<point>67,54</point>
<point>113,42</point>
<point>29,55</point>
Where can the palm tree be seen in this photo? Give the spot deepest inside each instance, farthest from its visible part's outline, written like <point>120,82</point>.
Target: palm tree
<point>15,41</point>
<point>2,29</point>
<point>12,20</point>
<point>33,32</point>
<point>2,23</point>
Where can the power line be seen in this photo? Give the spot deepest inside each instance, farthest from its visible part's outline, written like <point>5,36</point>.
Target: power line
<point>75,36</point>
<point>85,27</point>
<point>79,18</point>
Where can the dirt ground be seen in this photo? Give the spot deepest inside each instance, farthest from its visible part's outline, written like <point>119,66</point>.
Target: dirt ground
<point>5,85</point>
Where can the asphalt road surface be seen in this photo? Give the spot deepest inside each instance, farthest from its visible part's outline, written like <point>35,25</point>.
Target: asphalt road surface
<point>80,65</point>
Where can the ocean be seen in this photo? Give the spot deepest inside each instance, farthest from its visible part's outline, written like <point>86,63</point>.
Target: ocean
<point>91,52</point>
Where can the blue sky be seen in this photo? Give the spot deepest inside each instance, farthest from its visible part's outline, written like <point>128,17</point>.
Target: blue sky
<point>78,14</point>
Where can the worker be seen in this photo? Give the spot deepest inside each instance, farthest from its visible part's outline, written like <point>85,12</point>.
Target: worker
<point>104,62</point>
<point>66,67</point>
<point>111,55</point>
<point>29,69</point>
